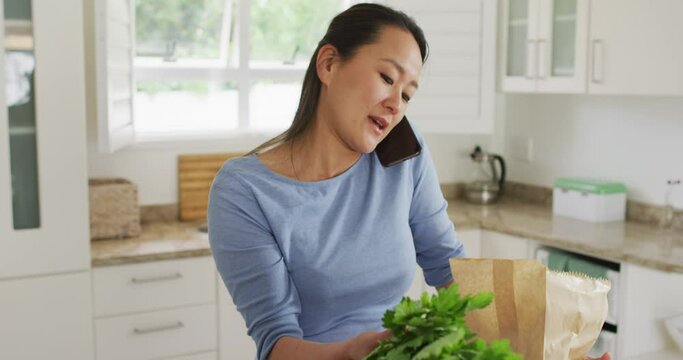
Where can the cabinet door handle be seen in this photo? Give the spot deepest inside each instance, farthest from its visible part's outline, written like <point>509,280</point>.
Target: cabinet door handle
<point>137,280</point>
<point>597,75</point>
<point>152,329</point>
<point>530,59</point>
<point>541,56</point>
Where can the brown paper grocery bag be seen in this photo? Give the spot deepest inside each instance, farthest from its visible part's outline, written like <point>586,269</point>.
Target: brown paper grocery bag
<point>518,309</point>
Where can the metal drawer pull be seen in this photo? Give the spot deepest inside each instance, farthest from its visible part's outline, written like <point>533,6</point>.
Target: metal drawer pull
<point>141,331</point>
<point>175,276</point>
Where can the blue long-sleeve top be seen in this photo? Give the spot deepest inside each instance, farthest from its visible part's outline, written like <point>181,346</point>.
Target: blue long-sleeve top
<point>322,261</point>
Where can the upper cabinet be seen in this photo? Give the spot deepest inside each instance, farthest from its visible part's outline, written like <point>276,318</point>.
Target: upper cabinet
<point>619,47</point>
<point>544,45</point>
<point>635,47</point>
<point>43,175</point>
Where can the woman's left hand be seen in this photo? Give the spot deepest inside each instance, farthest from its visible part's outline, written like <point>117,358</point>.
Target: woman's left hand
<point>605,356</point>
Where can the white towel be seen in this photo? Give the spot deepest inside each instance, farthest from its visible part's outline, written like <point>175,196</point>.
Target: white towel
<point>18,69</point>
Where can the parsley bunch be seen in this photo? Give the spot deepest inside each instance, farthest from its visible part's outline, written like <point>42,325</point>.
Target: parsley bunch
<point>433,328</point>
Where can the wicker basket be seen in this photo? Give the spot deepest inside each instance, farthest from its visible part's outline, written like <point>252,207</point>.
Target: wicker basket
<point>114,211</point>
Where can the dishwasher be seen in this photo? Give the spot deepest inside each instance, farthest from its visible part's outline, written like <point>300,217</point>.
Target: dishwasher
<point>607,340</point>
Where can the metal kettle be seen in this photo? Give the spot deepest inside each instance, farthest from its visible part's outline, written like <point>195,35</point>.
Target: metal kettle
<point>488,184</point>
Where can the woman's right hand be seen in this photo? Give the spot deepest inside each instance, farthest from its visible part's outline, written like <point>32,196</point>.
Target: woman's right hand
<point>360,346</point>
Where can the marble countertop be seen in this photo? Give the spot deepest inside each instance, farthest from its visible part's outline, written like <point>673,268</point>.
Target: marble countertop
<point>621,241</point>
<point>157,241</point>
<point>642,244</point>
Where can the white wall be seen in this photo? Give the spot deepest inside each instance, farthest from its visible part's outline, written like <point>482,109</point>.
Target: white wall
<point>635,140</point>
<point>154,170</point>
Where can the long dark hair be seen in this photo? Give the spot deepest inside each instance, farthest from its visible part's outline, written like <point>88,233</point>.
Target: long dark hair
<point>359,25</point>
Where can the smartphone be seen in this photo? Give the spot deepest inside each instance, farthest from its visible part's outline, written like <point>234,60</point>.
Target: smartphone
<point>400,145</point>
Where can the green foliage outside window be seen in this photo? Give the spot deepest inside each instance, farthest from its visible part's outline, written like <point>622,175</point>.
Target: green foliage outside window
<point>281,31</point>
<point>281,28</point>
<point>194,26</point>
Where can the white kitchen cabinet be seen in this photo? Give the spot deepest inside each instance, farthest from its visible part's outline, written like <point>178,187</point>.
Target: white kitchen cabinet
<point>668,354</point>
<point>157,334</point>
<point>44,227</point>
<point>471,239</point>
<point>418,286</point>
<point>647,297</point>
<point>495,245</point>
<point>156,309</point>
<point>47,317</point>
<point>457,84</point>
<point>635,47</point>
<point>45,291</point>
<point>201,356</point>
<point>153,285</point>
<point>544,45</point>
<point>233,341</point>
<point>617,47</point>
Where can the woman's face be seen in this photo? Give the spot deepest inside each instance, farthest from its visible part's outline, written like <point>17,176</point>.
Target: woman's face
<point>367,95</point>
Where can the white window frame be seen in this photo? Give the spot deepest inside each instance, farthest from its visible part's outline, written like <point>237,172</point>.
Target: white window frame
<point>244,75</point>
<point>444,110</point>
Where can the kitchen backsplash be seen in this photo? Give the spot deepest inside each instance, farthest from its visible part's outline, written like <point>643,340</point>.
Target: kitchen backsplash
<point>159,213</point>
<point>635,211</point>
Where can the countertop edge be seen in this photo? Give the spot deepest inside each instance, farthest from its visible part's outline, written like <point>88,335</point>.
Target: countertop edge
<point>135,259</point>
<point>569,245</point>
<point>461,222</point>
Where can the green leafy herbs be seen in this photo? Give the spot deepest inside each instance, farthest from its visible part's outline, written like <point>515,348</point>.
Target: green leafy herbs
<point>433,328</point>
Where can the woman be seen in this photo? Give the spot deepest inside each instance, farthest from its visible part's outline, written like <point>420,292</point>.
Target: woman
<point>313,237</point>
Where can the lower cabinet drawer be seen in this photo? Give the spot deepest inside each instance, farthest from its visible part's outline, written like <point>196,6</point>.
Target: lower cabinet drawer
<point>157,334</point>
<point>126,289</point>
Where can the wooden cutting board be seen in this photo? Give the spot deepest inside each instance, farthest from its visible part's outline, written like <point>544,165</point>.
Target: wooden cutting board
<point>195,174</point>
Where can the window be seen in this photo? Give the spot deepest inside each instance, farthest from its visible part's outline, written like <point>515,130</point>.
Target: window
<point>209,66</point>
<point>199,69</point>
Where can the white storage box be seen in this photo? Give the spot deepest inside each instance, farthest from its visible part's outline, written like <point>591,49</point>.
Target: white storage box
<point>589,200</point>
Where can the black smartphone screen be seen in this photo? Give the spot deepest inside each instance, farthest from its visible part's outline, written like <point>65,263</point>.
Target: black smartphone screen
<point>400,144</point>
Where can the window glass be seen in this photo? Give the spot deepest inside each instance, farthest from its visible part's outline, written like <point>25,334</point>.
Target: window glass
<point>517,37</point>
<point>564,38</point>
<point>185,107</point>
<point>286,32</point>
<point>19,70</point>
<point>272,104</point>
<point>194,39</point>
<point>172,30</point>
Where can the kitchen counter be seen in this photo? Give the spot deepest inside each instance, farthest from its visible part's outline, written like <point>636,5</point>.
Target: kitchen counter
<point>620,241</point>
<point>158,241</point>
<point>638,243</point>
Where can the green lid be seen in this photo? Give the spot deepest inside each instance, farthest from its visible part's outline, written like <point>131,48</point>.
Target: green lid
<point>591,186</point>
